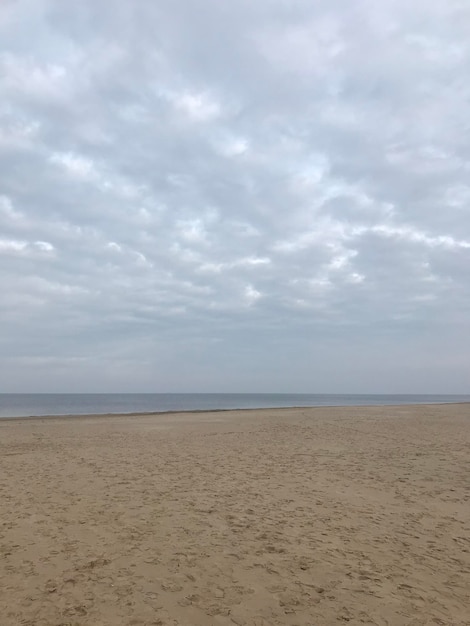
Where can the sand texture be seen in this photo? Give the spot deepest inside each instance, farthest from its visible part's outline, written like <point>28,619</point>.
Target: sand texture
<point>293,517</point>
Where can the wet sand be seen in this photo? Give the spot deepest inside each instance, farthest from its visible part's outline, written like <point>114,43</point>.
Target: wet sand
<point>291,517</point>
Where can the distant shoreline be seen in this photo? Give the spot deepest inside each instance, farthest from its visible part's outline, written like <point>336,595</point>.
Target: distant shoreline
<point>108,415</point>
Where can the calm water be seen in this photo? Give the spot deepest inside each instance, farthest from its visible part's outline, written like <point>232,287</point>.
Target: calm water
<point>22,405</point>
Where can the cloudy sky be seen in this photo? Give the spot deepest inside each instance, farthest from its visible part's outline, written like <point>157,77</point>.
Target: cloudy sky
<point>235,196</point>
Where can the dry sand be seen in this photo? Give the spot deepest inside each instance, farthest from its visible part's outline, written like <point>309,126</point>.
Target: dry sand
<point>295,517</point>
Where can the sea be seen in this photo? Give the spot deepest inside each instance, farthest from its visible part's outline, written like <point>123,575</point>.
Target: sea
<point>35,405</point>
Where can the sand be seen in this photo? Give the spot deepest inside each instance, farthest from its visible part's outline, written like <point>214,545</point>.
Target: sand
<point>293,516</point>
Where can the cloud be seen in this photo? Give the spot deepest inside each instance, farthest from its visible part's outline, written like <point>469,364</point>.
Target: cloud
<point>269,181</point>
<point>199,107</point>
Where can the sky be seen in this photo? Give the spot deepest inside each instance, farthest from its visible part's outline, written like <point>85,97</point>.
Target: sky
<point>220,196</point>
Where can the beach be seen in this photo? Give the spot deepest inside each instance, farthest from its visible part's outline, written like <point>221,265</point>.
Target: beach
<point>295,517</point>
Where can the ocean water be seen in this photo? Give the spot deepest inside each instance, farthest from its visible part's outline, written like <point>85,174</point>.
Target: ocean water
<point>29,405</point>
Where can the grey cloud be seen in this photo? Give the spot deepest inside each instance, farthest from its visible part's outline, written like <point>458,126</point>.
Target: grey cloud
<point>257,180</point>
